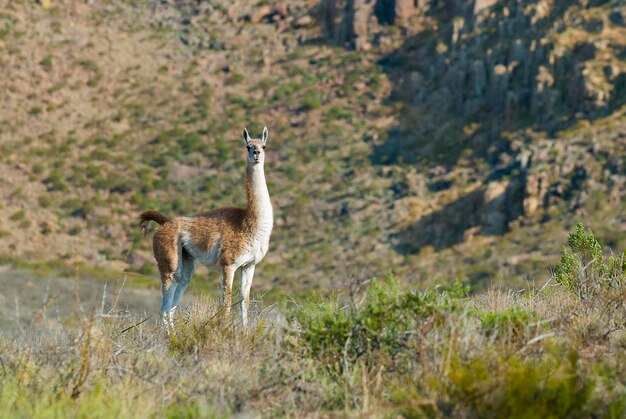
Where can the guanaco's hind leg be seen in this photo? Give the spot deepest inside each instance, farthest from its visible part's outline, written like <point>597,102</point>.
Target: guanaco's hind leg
<point>186,272</point>
<point>167,255</point>
<point>168,287</point>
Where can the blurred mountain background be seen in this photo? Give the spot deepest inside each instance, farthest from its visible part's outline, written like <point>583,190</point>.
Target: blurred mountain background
<point>436,139</point>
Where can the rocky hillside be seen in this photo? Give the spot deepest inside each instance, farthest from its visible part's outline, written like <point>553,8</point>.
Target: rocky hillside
<point>449,139</point>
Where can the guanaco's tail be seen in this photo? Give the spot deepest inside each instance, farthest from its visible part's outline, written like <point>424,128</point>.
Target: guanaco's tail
<point>151,215</point>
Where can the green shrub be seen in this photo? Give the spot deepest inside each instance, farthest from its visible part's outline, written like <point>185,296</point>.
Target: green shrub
<point>89,65</point>
<point>599,283</point>
<point>311,100</point>
<point>45,228</point>
<point>46,63</point>
<point>507,387</point>
<point>101,154</point>
<point>512,324</point>
<point>75,230</point>
<point>584,270</point>
<point>35,110</point>
<point>180,204</point>
<point>190,142</point>
<point>235,79</point>
<point>18,388</point>
<point>385,322</point>
<point>222,150</point>
<point>115,182</point>
<point>18,215</point>
<point>184,409</point>
<point>264,85</point>
<point>285,91</point>
<point>55,181</point>
<point>70,204</point>
<point>339,112</point>
<point>38,168</point>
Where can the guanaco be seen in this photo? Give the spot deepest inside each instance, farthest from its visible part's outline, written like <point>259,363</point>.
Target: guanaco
<point>224,239</point>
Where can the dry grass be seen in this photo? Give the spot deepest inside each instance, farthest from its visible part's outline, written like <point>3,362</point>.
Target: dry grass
<point>445,363</point>
<point>377,349</point>
<point>129,367</point>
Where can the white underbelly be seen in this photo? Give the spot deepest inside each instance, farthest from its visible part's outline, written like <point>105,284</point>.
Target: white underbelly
<point>251,255</point>
<point>207,258</point>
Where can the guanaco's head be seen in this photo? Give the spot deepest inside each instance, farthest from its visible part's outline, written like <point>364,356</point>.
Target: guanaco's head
<point>256,147</point>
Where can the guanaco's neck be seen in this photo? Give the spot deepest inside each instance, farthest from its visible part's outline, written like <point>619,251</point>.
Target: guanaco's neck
<point>259,205</point>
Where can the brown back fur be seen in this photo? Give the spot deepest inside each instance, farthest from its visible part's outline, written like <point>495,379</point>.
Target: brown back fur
<point>232,226</point>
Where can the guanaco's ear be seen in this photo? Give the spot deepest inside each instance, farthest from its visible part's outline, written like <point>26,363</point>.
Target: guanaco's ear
<point>246,136</point>
<point>265,134</point>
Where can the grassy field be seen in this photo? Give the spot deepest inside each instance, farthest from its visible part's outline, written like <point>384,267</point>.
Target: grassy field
<point>376,349</point>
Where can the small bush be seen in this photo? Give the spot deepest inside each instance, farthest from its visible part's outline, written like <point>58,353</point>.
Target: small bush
<point>38,168</point>
<point>512,324</point>
<point>180,204</point>
<point>552,386</point>
<point>55,181</point>
<point>190,409</point>
<point>222,150</point>
<point>235,79</point>
<point>45,201</point>
<point>584,270</point>
<point>599,283</point>
<point>46,63</point>
<point>45,228</point>
<point>285,92</point>
<point>339,112</point>
<point>190,142</point>
<point>18,216</point>
<point>35,110</point>
<point>310,101</point>
<point>384,322</point>
<point>70,204</point>
<point>75,230</point>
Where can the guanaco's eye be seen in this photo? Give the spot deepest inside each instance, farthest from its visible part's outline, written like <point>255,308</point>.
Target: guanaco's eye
<point>263,147</point>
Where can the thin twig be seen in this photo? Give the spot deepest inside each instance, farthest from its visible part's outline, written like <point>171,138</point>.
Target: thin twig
<point>133,326</point>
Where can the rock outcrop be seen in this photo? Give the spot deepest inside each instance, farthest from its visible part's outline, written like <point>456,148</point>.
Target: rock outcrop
<point>354,23</point>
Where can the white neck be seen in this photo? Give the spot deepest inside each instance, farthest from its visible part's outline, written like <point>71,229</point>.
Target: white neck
<point>259,204</point>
